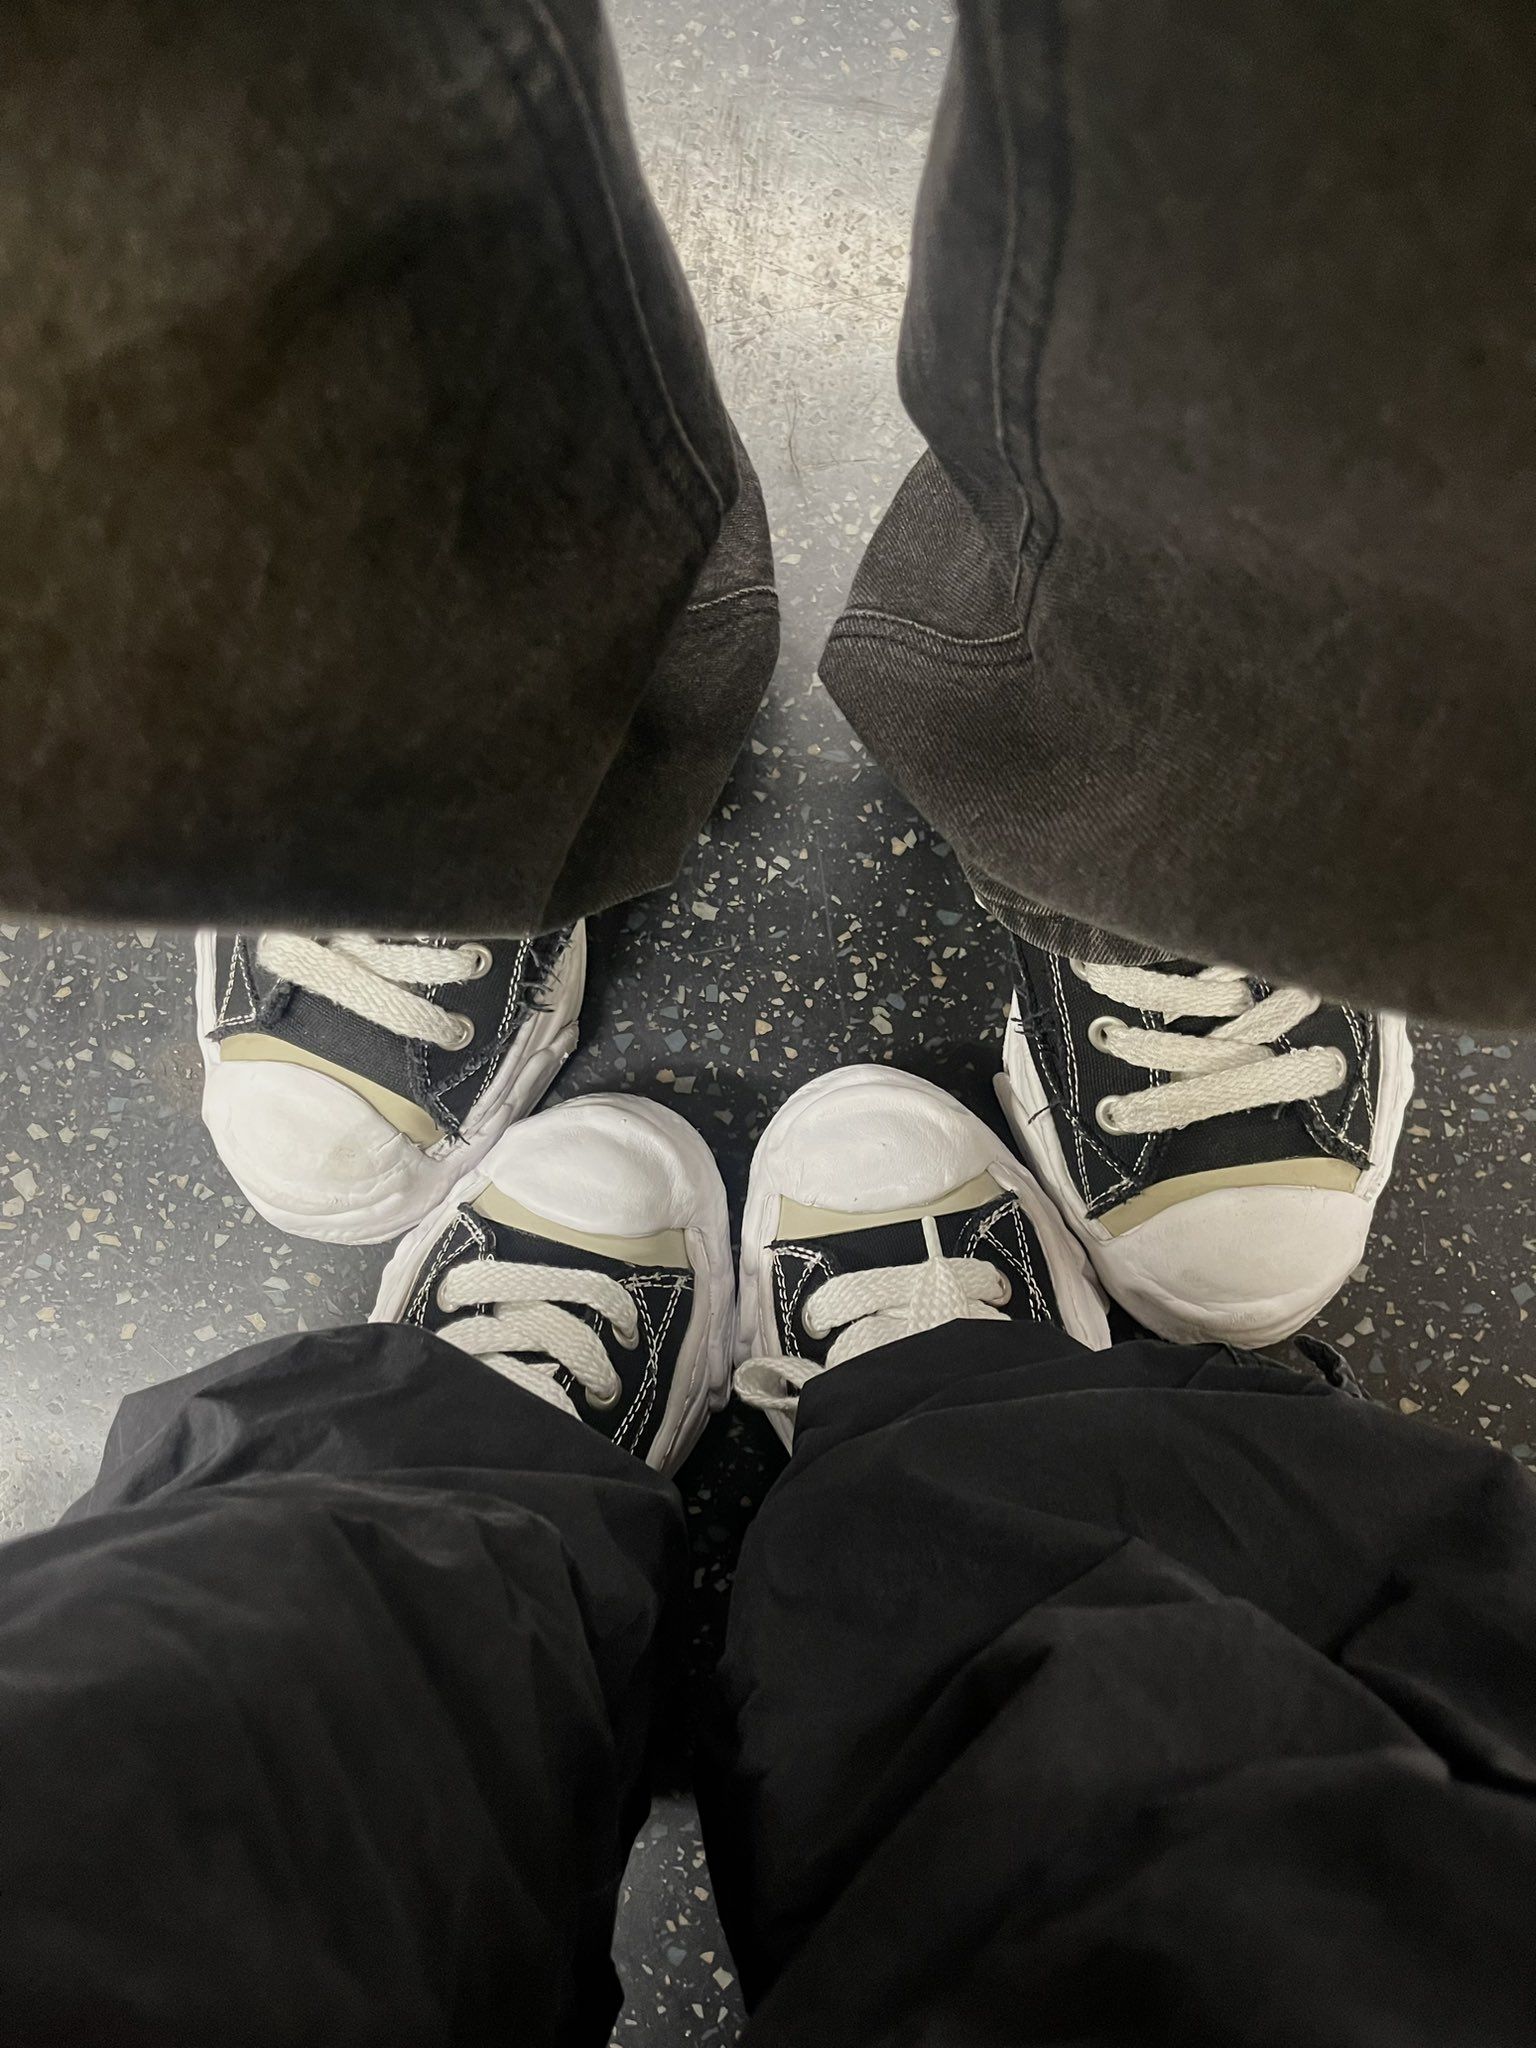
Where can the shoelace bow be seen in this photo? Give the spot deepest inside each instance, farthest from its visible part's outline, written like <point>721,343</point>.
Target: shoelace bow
<point>376,979</point>
<point>875,1307</point>
<point>530,1338</point>
<point>1233,1066</point>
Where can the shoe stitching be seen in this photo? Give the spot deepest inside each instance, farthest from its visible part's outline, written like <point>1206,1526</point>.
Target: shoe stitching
<point>1074,1086</point>
<point>657,1335</point>
<point>509,1013</point>
<point>1312,1109</point>
<point>446,1251</point>
<point>1340,1132</point>
<point>636,1293</point>
<point>1365,1035</point>
<point>486,1063</point>
<point>1022,1261</point>
<point>814,1260</point>
<point>418,1054</point>
<point>1076,1120</point>
<point>237,963</point>
<point>1353,1099</point>
<point>786,1307</point>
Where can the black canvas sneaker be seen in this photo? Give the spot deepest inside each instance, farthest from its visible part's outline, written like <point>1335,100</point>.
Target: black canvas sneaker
<point>349,1082</point>
<point>1218,1143</point>
<point>879,1207</point>
<point>588,1259</point>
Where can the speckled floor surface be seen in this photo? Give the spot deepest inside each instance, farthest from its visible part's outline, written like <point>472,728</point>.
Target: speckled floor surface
<point>818,922</point>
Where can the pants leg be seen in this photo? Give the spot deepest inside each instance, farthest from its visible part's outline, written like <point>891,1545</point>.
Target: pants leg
<point>325,1716</point>
<point>1152,1694</point>
<point>374,542</point>
<point>1208,616</point>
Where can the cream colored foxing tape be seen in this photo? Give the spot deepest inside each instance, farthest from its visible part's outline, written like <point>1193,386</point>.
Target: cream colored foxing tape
<point>1336,1174</point>
<point>406,1116</point>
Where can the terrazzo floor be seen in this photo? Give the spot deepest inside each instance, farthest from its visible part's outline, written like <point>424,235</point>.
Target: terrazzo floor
<point>818,921</point>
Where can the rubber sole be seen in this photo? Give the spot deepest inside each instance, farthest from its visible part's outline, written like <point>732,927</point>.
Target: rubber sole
<point>702,1380</point>
<point>1077,1291</point>
<point>527,1071</point>
<point>1273,1321</point>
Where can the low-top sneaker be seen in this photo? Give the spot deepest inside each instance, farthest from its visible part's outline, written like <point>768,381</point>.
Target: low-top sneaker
<point>1217,1142</point>
<point>349,1081</point>
<point>588,1259</point>
<point>879,1207</point>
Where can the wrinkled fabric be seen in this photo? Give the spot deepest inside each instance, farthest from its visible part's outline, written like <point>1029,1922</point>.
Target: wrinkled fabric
<point>1149,1694</point>
<point>1208,617</point>
<point>376,550</point>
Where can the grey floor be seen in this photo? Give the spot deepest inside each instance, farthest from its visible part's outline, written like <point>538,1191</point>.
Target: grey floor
<point>819,921</point>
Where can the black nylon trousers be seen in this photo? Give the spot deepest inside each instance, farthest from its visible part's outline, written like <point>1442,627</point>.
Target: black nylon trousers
<point>375,548</point>
<point>1153,1694</point>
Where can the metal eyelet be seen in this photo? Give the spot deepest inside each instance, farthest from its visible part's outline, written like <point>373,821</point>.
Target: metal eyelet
<point>463,1032</point>
<point>1104,1114</point>
<point>604,1400</point>
<point>1096,1031</point>
<point>1005,1289</point>
<point>630,1342</point>
<point>483,960</point>
<point>1343,1071</point>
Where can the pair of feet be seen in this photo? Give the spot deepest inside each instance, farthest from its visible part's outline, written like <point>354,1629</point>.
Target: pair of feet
<point>1204,1147</point>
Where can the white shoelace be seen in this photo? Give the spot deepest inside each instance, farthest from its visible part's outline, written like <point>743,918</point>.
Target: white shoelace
<point>530,1337</point>
<point>373,978</point>
<point>878,1306</point>
<point>1234,1066</point>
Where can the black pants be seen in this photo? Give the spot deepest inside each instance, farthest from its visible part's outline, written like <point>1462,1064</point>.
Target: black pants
<point>375,548</point>
<point>1155,1694</point>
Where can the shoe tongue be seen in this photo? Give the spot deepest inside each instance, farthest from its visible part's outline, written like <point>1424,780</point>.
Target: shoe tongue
<point>885,1243</point>
<point>896,1244</point>
<point>529,1248</point>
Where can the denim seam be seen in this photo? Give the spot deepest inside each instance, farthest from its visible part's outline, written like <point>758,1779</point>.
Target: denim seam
<point>1038,533</point>
<point>1002,301</point>
<point>932,632</point>
<point>747,590</point>
<point>637,309</point>
<point>947,656</point>
<point>681,444</point>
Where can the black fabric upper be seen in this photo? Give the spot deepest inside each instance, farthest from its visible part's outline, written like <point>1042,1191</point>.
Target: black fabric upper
<point>445,1084</point>
<point>997,1232</point>
<point>1057,1007</point>
<point>662,1295</point>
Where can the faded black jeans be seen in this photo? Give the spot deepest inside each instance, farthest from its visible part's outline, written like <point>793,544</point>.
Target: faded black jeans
<point>375,547</point>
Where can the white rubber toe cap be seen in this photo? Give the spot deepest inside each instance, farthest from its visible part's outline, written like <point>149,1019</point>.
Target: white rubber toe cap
<point>1238,1265</point>
<point>873,1139</point>
<point>618,1168</point>
<point>308,1152</point>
